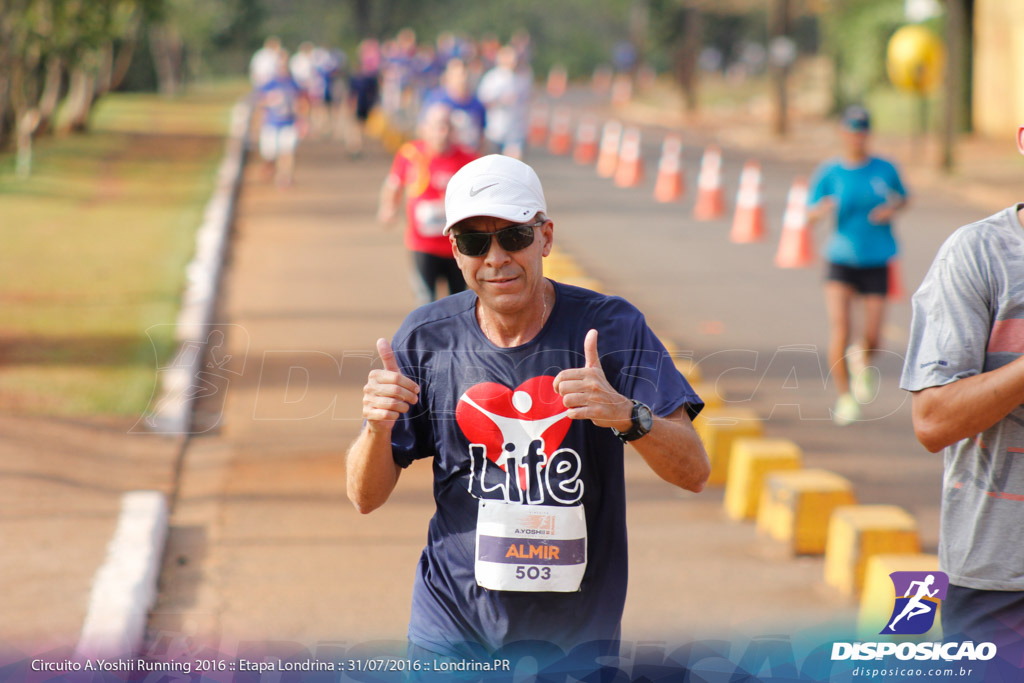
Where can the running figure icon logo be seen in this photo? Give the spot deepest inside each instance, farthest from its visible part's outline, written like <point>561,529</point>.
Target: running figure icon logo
<point>917,601</point>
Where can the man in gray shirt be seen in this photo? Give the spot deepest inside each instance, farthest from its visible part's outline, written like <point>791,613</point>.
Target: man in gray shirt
<point>965,367</point>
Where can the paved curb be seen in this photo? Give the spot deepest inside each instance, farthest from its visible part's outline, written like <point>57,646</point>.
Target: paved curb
<point>179,381</point>
<point>125,586</point>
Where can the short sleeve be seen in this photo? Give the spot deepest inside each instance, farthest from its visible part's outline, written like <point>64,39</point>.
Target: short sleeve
<point>821,184</point>
<point>642,368</point>
<point>895,182</point>
<point>951,320</point>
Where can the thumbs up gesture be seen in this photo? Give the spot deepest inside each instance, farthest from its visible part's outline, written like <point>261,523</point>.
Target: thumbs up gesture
<point>588,395</point>
<point>388,393</point>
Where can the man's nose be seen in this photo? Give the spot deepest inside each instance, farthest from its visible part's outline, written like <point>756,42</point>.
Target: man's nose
<point>496,256</point>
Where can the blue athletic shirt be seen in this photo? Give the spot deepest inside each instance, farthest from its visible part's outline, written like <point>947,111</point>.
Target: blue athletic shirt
<point>469,116</point>
<point>280,98</point>
<point>856,191</point>
<point>441,347</point>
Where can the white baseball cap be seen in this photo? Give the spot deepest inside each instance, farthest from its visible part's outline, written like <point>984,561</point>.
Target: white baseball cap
<point>494,185</point>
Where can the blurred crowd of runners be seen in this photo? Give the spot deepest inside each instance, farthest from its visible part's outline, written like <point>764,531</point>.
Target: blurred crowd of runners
<point>322,92</point>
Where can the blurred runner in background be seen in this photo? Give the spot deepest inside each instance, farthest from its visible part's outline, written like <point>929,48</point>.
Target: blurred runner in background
<point>863,193</point>
<point>423,168</point>
<point>505,92</point>
<point>468,114</point>
<point>281,103</point>
<point>263,65</point>
<point>364,90</point>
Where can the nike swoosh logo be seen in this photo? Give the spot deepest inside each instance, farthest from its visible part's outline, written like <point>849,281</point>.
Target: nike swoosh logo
<point>473,191</point>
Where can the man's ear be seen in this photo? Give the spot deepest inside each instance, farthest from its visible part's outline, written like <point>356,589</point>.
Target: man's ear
<point>547,233</point>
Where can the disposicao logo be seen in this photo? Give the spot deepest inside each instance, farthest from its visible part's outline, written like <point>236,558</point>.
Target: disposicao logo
<point>918,595</point>
<point>917,602</point>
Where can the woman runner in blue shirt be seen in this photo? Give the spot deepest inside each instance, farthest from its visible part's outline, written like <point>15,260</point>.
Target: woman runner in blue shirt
<point>863,193</point>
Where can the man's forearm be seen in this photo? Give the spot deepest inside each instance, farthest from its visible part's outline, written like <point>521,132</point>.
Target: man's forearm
<point>946,414</point>
<point>371,471</point>
<point>390,197</point>
<point>674,451</point>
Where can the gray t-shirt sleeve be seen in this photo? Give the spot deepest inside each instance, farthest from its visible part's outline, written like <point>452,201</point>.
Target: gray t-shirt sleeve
<point>951,320</point>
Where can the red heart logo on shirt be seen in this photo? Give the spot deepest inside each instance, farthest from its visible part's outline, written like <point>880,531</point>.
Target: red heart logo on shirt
<point>508,420</point>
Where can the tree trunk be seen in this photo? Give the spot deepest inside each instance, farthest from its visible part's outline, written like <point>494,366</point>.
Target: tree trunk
<point>952,94</point>
<point>166,45</point>
<point>80,99</point>
<point>24,90</point>
<point>687,55</point>
<point>781,25</point>
<point>122,61</point>
<point>27,124</point>
<point>51,94</point>
<point>101,86</point>
<point>639,21</point>
<point>5,109</point>
<point>362,12</point>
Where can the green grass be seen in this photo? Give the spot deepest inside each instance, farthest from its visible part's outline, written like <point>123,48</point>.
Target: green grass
<point>93,248</point>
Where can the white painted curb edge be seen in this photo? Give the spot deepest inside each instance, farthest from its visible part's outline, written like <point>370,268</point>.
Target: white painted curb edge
<point>125,586</point>
<point>172,413</point>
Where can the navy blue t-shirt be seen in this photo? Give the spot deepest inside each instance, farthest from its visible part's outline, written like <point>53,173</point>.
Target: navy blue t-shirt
<point>441,347</point>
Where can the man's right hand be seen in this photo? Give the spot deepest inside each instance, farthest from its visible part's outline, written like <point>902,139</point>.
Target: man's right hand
<point>388,393</point>
<point>386,216</point>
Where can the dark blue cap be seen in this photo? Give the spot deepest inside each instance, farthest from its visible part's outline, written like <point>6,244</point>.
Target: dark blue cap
<point>856,118</point>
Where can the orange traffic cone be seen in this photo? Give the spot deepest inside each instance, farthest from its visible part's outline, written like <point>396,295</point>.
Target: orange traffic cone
<point>896,292</point>
<point>710,196</point>
<point>608,156</point>
<point>630,170</point>
<point>586,141</point>
<point>538,132</point>
<point>748,221</point>
<point>560,141</point>
<point>795,250</point>
<point>622,90</point>
<point>669,185</point>
<point>558,80</point>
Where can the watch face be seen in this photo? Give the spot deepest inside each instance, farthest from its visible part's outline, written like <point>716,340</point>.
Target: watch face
<point>644,417</point>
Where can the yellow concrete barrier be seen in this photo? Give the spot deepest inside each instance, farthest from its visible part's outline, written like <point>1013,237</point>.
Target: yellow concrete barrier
<point>878,598</point>
<point>690,370</point>
<point>392,139</point>
<point>795,507</point>
<point>858,532</point>
<point>718,429</point>
<point>560,270</point>
<point>707,392</point>
<point>749,462</point>
<point>376,123</point>
<point>586,283</point>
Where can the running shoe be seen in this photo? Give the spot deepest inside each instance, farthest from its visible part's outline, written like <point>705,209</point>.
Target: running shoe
<point>846,411</point>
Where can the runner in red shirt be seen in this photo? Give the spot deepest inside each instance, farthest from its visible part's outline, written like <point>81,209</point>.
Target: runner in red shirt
<point>423,167</point>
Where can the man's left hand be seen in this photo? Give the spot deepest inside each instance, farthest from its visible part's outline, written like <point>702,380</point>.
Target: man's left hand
<point>588,395</point>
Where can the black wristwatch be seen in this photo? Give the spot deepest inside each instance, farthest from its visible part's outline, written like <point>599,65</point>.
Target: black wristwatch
<point>643,420</point>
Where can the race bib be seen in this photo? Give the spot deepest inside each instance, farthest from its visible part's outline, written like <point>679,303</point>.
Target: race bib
<point>533,548</point>
<point>430,218</point>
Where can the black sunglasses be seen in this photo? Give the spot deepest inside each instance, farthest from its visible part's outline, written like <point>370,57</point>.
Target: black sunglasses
<point>513,238</point>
